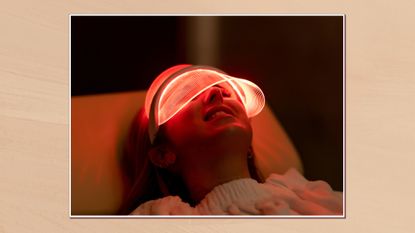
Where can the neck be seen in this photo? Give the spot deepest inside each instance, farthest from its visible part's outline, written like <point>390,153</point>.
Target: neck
<point>202,176</point>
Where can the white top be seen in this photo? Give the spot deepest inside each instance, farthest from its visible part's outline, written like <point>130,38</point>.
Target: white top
<point>288,194</point>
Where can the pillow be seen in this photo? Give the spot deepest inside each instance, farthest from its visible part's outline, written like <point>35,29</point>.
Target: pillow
<point>99,124</point>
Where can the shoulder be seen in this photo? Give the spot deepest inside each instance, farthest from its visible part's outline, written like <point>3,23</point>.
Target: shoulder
<point>291,179</point>
<point>295,181</point>
<point>307,197</point>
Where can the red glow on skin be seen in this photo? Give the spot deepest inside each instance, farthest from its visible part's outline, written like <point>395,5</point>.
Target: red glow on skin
<point>202,142</point>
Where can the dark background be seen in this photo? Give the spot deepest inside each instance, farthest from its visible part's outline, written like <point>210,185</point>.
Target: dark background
<point>296,60</point>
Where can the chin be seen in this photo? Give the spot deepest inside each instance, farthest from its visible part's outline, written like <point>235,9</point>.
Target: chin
<point>232,133</point>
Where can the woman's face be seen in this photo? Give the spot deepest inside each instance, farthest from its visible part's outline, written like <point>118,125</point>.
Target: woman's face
<point>215,118</point>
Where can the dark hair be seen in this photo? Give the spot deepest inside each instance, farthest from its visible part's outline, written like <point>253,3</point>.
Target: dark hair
<point>147,181</point>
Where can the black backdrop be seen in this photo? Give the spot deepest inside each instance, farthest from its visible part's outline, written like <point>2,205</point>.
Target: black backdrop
<point>296,60</point>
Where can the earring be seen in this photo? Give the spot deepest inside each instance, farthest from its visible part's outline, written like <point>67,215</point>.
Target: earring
<point>169,159</point>
<point>162,158</point>
<point>250,153</point>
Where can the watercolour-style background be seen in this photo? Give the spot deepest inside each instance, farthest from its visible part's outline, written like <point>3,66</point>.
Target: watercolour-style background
<point>296,60</point>
<point>34,97</point>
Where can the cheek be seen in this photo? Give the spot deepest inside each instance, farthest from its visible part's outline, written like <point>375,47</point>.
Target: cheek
<point>185,127</point>
<point>239,108</point>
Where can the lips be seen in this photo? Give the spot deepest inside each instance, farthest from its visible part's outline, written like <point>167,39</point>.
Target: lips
<point>217,111</point>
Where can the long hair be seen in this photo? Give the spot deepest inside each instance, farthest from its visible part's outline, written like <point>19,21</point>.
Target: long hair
<point>147,181</point>
<point>139,170</point>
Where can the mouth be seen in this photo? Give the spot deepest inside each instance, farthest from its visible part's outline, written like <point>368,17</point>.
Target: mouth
<point>217,112</point>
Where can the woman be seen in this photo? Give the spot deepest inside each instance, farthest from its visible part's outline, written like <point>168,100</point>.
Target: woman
<point>189,152</point>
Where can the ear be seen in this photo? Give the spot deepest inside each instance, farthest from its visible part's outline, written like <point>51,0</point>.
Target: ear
<point>162,157</point>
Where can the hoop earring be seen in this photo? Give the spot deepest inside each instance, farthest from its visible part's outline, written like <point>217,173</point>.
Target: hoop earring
<point>250,153</point>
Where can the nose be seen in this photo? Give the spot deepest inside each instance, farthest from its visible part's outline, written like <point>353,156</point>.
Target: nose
<point>213,95</point>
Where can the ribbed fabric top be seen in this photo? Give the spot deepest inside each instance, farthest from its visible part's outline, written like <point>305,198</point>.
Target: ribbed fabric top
<point>288,194</point>
<point>220,199</point>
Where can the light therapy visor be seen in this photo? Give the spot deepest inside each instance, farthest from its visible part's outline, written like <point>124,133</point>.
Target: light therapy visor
<point>173,89</point>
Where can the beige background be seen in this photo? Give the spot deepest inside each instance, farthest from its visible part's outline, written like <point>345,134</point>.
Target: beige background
<point>34,99</point>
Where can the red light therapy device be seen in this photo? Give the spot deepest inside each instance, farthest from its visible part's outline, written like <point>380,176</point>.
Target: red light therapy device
<point>173,89</point>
